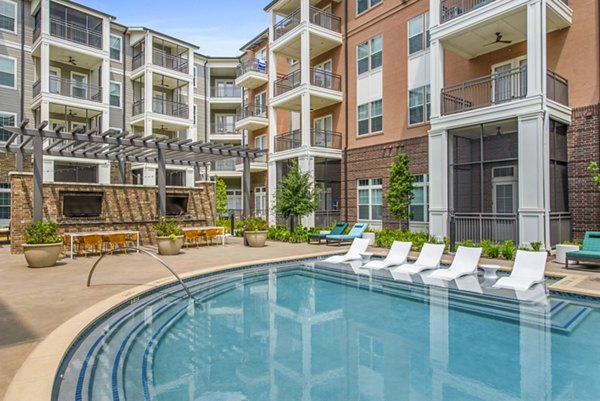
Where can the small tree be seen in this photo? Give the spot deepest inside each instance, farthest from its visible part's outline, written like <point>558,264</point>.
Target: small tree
<point>221,195</point>
<point>400,191</point>
<point>296,193</point>
<point>595,170</point>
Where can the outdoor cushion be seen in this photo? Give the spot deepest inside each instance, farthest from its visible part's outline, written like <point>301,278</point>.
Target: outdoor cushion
<point>337,230</point>
<point>584,254</point>
<point>591,241</point>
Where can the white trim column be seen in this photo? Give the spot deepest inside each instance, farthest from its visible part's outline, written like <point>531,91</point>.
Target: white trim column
<point>533,170</point>
<point>307,164</point>
<point>305,79</point>
<point>436,82</point>
<point>438,183</point>
<point>536,60</point>
<point>45,10</point>
<point>149,176</point>
<point>272,189</point>
<point>45,69</point>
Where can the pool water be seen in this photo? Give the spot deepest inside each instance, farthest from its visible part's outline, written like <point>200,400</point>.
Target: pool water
<point>315,332</point>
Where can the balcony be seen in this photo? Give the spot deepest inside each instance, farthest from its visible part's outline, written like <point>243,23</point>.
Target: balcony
<point>224,132</point>
<point>162,106</point>
<point>251,117</point>
<point>451,9</point>
<point>83,35</point>
<point>227,165</point>
<point>257,165</point>
<point>70,88</point>
<point>326,139</point>
<point>289,140</point>
<point>325,88</point>
<point>251,74</point>
<point>169,61</point>
<point>226,92</point>
<point>497,89</point>
<point>325,30</point>
<point>138,60</point>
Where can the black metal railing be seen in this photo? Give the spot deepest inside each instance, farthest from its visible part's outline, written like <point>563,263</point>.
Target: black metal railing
<point>326,218</point>
<point>251,110</point>
<point>325,79</point>
<point>37,87</point>
<point>76,33</point>
<point>325,20</point>
<point>560,227</point>
<point>289,140</point>
<point>226,165</point>
<point>485,226</point>
<point>227,91</point>
<point>219,128</point>
<point>253,65</point>
<point>166,60</point>
<point>170,108</point>
<point>497,88</point>
<point>138,60</point>
<point>450,9</point>
<point>287,24</point>
<point>557,88</point>
<point>71,88</point>
<point>326,139</point>
<point>288,82</point>
<point>137,107</point>
<point>37,31</point>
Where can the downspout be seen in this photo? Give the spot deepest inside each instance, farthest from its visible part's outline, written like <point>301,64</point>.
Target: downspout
<point>345,152</point>
<point>206,126</point>
<point>19,155</point>
<point>124,103</point>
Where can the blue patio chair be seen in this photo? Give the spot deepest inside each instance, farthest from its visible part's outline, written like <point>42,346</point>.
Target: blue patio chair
<point>356,232</point>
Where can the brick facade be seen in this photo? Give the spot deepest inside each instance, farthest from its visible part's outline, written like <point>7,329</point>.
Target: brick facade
<point>124,207</point>
<point>258,180</point>
<point>374,162</point>
<point>584,147</point>
<point>8,164</point>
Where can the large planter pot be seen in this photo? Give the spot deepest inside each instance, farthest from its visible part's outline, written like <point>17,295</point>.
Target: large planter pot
<point>255,239</point>
<point>169,246</point>
<point>41,255</point>
<point>561,252</point>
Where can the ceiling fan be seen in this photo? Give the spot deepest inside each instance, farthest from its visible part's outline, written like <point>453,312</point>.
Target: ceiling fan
<point>162,83</point>
<point>71,114</point>
<point>499,40</point>
<point>72,61</point>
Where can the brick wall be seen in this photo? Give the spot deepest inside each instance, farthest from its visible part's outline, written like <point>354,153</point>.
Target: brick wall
<point>124,207</point>
<point>258,180</point>
<point>8,164</point>
<point>584,147</point>
<point>374,162</point>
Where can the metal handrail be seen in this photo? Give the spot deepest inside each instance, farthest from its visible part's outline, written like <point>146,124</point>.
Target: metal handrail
<point>72,88</point>
<point>557,88</point>
<point>145,252</point>
<point>175,63</point>
<point>75,33</point>
<point>326,139</point>
<point>216,128</point>
<point>287,24</point>
<point>325,79</point>
<point>254,64</point>
<point>251,110</point>
<point>138,60</point>
<point>325,20</point>
<point>138,107</point>
<point>170,107</point>
<point>289,140</point>
<point>288,82</point>
<point>229,91</point>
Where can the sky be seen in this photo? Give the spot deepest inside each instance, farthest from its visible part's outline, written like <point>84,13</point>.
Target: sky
<point>218,27</point>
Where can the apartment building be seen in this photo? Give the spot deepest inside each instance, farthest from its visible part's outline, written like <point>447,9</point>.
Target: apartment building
<point>77,68</point>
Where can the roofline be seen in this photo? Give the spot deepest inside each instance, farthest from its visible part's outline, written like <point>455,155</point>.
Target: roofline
<point>254,39</point>
<point>270,5</point>
<point>155,32</point>
<point>89,9</point>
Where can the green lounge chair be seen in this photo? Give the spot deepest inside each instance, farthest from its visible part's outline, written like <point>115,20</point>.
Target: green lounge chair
<point>338,229</point>
<point>590,251</point>
<point>356,232</point>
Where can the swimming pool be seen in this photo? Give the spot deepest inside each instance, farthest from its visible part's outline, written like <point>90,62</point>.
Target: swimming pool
<point>314,331</point>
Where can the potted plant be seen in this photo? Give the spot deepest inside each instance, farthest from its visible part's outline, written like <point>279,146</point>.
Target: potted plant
<point>169,237</point>
<point>255,231</point>
<point>42,245</point>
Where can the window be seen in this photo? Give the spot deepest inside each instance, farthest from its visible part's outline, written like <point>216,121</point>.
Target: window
<point>8,12</point>
<point>260,142</point>
<point>8,72</point>
<point>6,119</point>
<point>370,199</point>
<point>418,33</point>
<point>115,94</point>
<point>260,104</point>
<point>234,200</point>
<point>370,117</point>
<point>419,100</point>
<point>72,172</point>
<point>4,201</point>
<point>419,206</point>
<point>370,54</point>
<point>115,47</point>
<point>79,85</point>
<point>504,189</point>
<point>260,201</point>
<point>364,5</point>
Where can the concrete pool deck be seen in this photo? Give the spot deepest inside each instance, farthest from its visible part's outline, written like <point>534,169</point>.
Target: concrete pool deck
<point>35,302</point>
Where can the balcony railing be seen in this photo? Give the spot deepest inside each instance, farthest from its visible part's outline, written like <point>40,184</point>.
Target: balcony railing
<point>76,33</point>
<point>251,110</point>
<point>318,77</point>
<point>37,31</point>
<point>229,91</point>
<point>325,20</point>
<point>138,60</point>
<point>557,88</point>
<point>226,165</point>
<point>450,9</point>
<point>71,88</point>
<point>485,226</point>
<point>216,129</point>
<point>289,140</point>
<point>326,218</point>
<point>137,107</point>
<point>326,139</point>
<point>497,88</point>
<point>166,60</point>
<point>560,227</point>
<point>286,24</point>
<point>253,65</point>
<point>170,108</point>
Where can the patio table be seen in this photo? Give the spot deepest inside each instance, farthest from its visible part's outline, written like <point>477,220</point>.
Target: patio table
<point>83,234</point>
<point>220,229</point>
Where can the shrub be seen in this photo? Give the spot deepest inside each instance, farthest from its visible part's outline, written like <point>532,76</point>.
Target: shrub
<point>283,234</point>
<point>490,249</point>
<point>255,224</point>
<point>536,246</point>
<point>508,250</point>
<point>167,228</point>
<point>387,236</point>
<point>39,233</point>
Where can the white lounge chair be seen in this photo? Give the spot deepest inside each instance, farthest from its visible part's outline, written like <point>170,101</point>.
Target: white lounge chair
<point>359,245</point>
<point>395,257</point>
<point>429,258</point>
<point>528,269</point>
<point>464,263</point>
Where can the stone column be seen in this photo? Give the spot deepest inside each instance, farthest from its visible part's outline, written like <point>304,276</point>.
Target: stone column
<point>438,183</point>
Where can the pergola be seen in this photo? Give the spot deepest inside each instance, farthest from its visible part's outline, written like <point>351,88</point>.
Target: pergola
<point>121,147</point>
